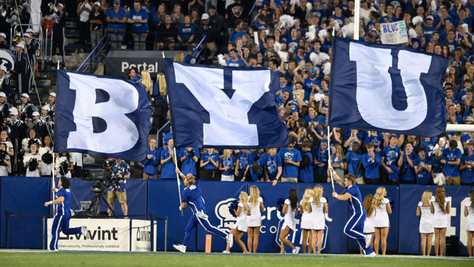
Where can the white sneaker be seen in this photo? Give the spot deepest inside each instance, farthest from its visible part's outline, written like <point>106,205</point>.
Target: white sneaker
<point>367,240</point>
<point>371,254</point>
<point>296,250</point>
<point>230,240</point>
<point>225,251</point>
<point>180,248</point>
<point>86,233</point>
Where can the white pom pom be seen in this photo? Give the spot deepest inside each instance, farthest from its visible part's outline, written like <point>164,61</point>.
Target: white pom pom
<point>267,31</point>
<point>283,55</point>
<point>323,57</point>
<point>313,57</point>
<point>312,29</point>
<point>466,27</point>
<point>322,34</point>
<point>327,68</point>
<point>318,97</point>
<point>412,33</point>
<point>310,36</point>
<point>277,46</point>
<point>295,2</point>
<point>348,30</point>
<point>287,21</point>
<point>309,6</point>
<point>221,60</point>
<point>417,20</point>
<point>464,2</point>
<point>433,6</point>
<point>336,26</point>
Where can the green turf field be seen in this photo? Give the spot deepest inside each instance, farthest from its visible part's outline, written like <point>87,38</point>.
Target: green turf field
<point>70,259</point>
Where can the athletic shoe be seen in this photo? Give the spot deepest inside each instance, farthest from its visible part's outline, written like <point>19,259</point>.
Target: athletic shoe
<point>86,233</point>
<point>225,251</point>
<point>371,254</point>
<point>180,248</point>
<point>296,250</point>
<point>367,240</point>
<point>230,239</point>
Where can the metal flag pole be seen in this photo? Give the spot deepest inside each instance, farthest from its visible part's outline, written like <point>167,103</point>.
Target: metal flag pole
<point>52,183</point>
<point>329,158</point>
<point>177,178</point>
<point>356,19</point>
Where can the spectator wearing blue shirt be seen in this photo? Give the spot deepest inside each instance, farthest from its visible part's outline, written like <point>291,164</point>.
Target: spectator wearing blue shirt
<point>234,61</point>
<point>423,168</point>
<point>150,164</point>
<point>312,120</point>
<point>138,17</point>
<point>452,117</point>
<point>451,158</point>
<point>371,162</point>
<point>237,32</point>
<point>306,166</point>
<point>321,162</point>
<point>257,170</point>
<point>291,161</point>
<point>406,163</point>
<point>390,156</point>
<point>450,41</point>
<point>189,156</point>
<point>389,17</point>
<point>338,17</point>
<point>190,57</point>
<point>273,166</point>
<point>354,159</point>
<point>429,29</point>
<point>376,138</point>
<point>242,164</point>
<point>227,165</point>
<point>186,34</point>
<point>168,168</point>
<point>467,166</point>
<point>209,165</point>
<point>116,19</point>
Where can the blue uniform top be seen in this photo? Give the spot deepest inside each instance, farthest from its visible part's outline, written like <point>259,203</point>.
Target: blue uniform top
<point>355,202</point>
<point>272,164</point>
<point>189,165</point>
<point>63,208</point>
<point>449,156</point>
<point>192,195</point>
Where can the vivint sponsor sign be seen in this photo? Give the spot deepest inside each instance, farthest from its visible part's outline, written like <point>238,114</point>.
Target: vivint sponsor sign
<point>141,235</point>
<point>106,235</point>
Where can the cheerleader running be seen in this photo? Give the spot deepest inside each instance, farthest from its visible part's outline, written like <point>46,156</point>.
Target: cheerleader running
<point>469,213</point>
<point>381,221</point>
<point>369,229</point>
<point>290,209</point>
<point>319,206</point>
<point>254,221</point>
<point>240,227</point>
<point>306,223</point>
<point>440,206</point>
<point>426,222</point>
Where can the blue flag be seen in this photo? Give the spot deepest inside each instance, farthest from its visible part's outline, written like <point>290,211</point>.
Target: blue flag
<point>101,115</point>
<point>386,88</point>
<point>224,107</point>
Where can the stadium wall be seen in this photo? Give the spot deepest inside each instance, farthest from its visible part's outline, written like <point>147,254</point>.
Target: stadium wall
<point>26,196</point>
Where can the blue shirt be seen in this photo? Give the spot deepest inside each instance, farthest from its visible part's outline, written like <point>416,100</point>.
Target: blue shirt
<point>237,63</point>
<point>230,162</point>
<point>234,35</point>
<point>371,168</point>
<point>409,175</point>
<point>124,169</point>
<point>390,156</point>
<point>63,208</point>
<point>257,176</point>
<point>140,15</point>
<point>206,157</point>
<point>243,162</point>
<point>467,176</point>
<point>423,177</point>
<point>188,166</point>
<point>376,140</point>
<point>272,164</point>
<point>168,170</point>
<point>353,161</point>
<point>290,170</point>
<point>150,166</point>
<point>355,202</point>
<point>185,32</point>
<point>119,15</point>
<point>322,157</point>
<point>306,174</point>
<point>450,156</point>
<point>192,195</point>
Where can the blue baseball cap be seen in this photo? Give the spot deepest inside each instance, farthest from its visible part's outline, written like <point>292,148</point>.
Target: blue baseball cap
<point>293,109</point>
<point>324,140</point>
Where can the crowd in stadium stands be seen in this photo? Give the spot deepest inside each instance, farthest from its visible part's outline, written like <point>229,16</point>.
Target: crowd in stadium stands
<point>293,39</point>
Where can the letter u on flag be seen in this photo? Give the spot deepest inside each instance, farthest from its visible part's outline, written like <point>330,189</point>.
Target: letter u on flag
<point>386,88</point>
<point>224,107</point>
<point>101,115</point>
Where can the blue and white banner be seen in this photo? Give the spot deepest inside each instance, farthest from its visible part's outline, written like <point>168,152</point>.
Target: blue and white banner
<point>394,32</point>
<point>224,107</point>
<point>386,88</point>
<point>101,115</point>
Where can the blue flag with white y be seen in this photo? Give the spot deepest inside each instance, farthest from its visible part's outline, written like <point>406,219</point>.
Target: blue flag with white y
<point>386,88</point>
<point>224,107</point>
<point>101,115</point>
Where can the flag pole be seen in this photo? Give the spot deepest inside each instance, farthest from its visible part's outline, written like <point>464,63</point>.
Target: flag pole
<point>329,157</point>
<point>356,19</point>
<point>52,182</point>
<point>177,178</point>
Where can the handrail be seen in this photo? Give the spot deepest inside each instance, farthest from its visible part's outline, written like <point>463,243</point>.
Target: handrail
<point>204,47</point>
<point>93,50</point>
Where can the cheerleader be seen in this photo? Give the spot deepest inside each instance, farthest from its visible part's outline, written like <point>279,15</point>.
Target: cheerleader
<point>32,161</point>
<point>240,227</point>
<point>426,222</point>
<point>381,221</point>
<point>469,213</point>
<point>46,153</point>
<point>306,224</point>
<point>319,206</point>
<point>369,229</point>
<point>440,206</point>
<point>290,209</point>
<point>254,221</point>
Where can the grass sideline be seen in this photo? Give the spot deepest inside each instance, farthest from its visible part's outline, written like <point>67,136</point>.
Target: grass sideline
<point>70,259</point>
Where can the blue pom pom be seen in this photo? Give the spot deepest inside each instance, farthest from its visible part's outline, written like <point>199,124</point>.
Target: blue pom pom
<point>280,204</point>
<point>233,207</point>
<point>391,202</point>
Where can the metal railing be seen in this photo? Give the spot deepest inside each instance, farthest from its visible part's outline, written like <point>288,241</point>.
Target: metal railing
<point>96,53</point>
